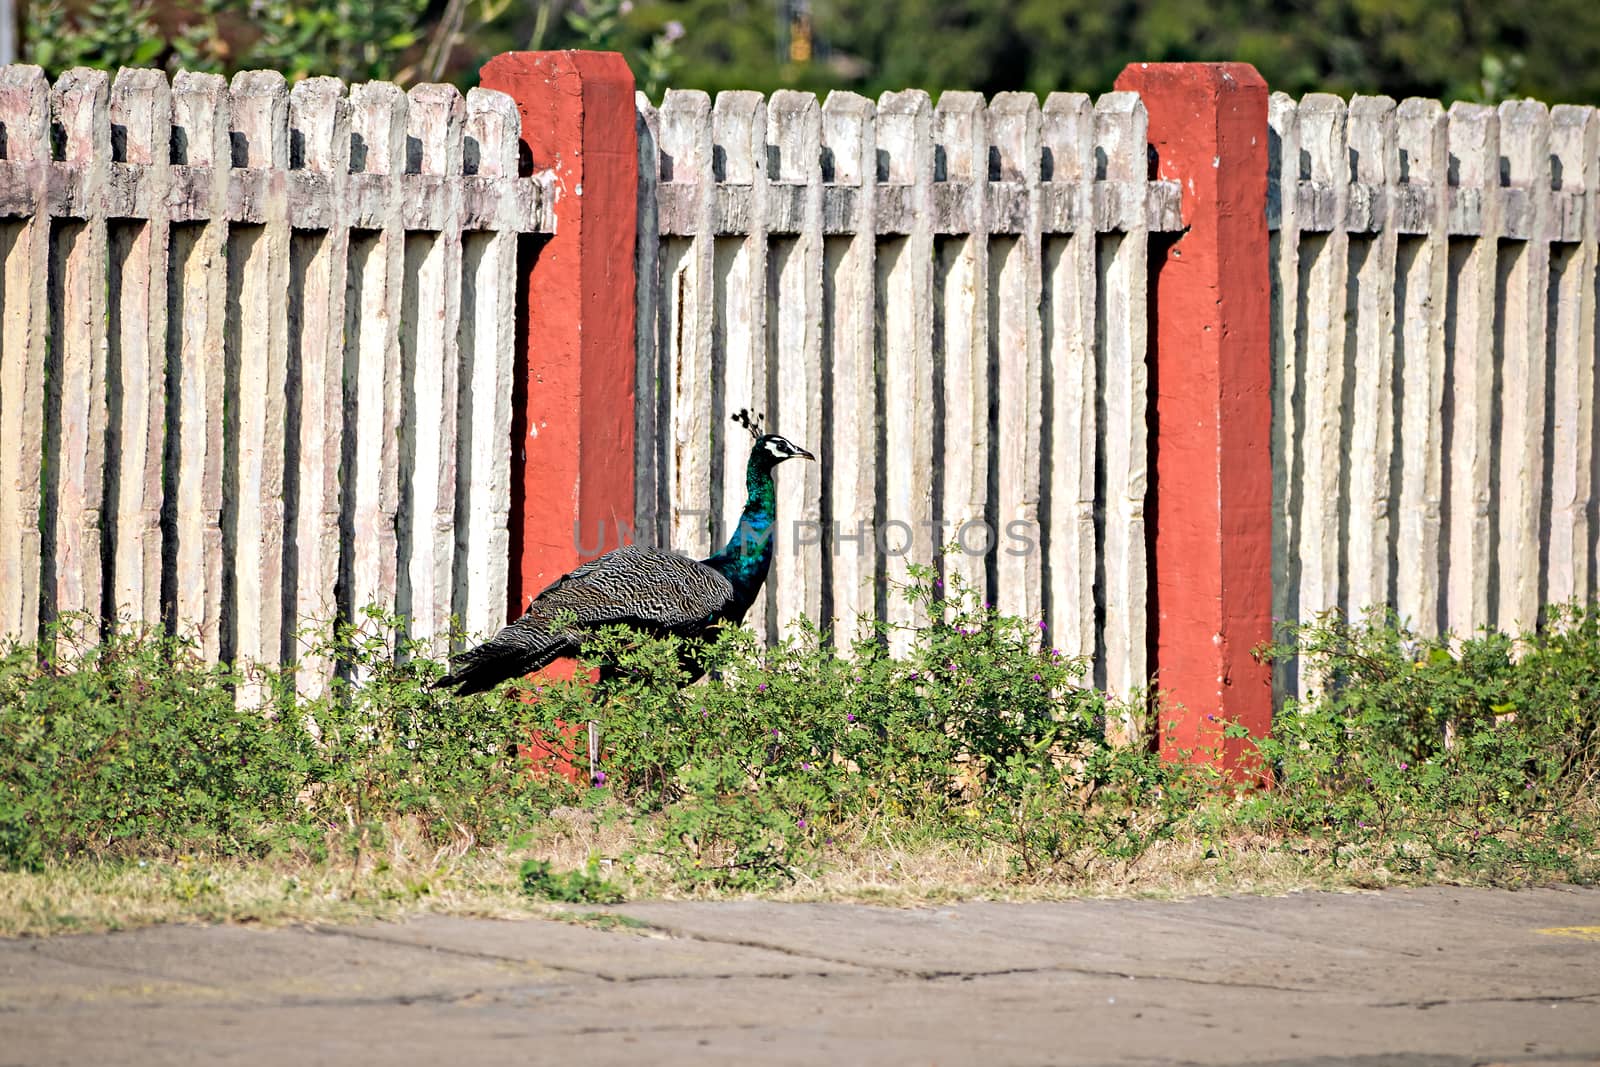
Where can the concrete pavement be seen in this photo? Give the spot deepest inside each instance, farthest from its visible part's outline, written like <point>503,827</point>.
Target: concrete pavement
<point>1437,977</point>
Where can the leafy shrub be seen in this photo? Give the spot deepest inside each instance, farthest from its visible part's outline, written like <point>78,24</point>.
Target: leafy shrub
<point>134,745</point>
<point>1482,755</point>
<point>980,733</point>
<point>587,886</point>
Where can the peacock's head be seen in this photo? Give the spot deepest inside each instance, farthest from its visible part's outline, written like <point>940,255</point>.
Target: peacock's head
<point>769,449</point>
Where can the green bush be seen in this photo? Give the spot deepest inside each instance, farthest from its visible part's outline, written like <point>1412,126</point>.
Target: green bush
<point>134,745</point>
<point>1426,757</point>
<point>979,733</point>
<point>1481,755</point>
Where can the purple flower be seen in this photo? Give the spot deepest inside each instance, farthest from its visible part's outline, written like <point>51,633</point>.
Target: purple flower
<point>1405,766</point>
<point>805,766</point>
<point>800,823</point>
<point>599,777</point>
<point>673,31</point>
<point>1037,678</point>
<point>774,733</point>
<point>1042,626</point>
<point>913,674</point>
<point>850,717</point>
<point>762,688</point>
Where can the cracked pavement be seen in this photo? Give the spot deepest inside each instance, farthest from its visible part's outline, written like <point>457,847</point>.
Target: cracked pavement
<point>1436,977</point>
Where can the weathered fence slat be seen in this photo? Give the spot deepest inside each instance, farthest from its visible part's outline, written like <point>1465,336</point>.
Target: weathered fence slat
<point>372,370</point>
<point>1071,375</point>
<point>141,108</point>
<point>1014,127</point>
<point>258,284</point>
<point>1474,145</point>
<point>24,333</point>
<point>962,342</point>
<point>688,272</point>
<point>1422,280</point>
<point>647,316</point>
<point>849,451</point>
<point>1321,416</point>
<point>1575,146</point>
<point>1525,149</point>
<point>193,553</point>
<point>319,132</point>
<point>76,416</point>
<point>794,129</point>
<point>430,356</point>
<point>1373,149</point>
<point>487,351</point>
<point>1120,130</point>
<point>1288,367</point>
<point>741,308</point>
<point>905,301</point>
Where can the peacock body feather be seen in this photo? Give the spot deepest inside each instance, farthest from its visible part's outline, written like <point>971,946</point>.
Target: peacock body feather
<point>652,590</point>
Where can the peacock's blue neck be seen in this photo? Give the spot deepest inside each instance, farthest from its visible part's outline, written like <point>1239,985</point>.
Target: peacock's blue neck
<point>744,560</point>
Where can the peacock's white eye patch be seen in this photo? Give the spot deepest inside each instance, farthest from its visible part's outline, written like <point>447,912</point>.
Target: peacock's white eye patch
<point>779,448</point>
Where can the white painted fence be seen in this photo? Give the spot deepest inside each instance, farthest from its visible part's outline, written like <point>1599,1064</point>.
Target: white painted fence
<point>947,305</point>
<point>256,353</point>
<point>1434,285</point>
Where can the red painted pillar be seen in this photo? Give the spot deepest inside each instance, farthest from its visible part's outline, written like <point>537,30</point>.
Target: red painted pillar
<point>1211,491</point>
<point>572,411</point>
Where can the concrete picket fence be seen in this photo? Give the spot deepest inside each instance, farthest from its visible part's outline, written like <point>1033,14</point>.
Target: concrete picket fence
<point>257,353</point>
<point>1216,357</point>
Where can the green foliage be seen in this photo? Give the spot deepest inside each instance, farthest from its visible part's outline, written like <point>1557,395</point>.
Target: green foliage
<point>352,39</point>
<point>1422,757</point>
<point>587,886</point>
<point>133,745</point>
<point>1481,756</point>
<point>979,733</point>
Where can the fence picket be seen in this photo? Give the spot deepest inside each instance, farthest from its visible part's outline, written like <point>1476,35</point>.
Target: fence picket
<point>688,272</point>
<point>1373,148</point>
<point>961,335</point>
<point>487,352</point>
<point>905,336</point>
<point>1422,279</point>
<point>1017,273</point>
<point>430,356</point>
<point>1283,200</point>
<point>372,337</point>
<point>76,399</point>
<point>1524,347</point>
<point>1070,380</point>
<point>319,132</point>
<point>141,106</point>
<point>258,284</point>
<point>849,451</point>
<point>193,559</point>
<point>794,129</point>
<point>1324,261</point>
<point>1575,146</point>
<point>1120,131</point>
<point>647,316</point>
<point>24,336</point>
<point>741,307</point>
<point>1474,145</point>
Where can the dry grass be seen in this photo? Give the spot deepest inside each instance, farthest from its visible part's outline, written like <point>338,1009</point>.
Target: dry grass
<point>95,895</point>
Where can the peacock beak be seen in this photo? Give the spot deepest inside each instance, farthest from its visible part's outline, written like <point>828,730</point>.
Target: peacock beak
<point>803,454</point>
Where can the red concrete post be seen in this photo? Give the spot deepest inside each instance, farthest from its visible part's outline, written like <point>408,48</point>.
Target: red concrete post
<point>1211,489</point>
<point>572,411</point>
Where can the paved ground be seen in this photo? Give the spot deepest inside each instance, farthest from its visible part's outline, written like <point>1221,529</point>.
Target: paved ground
<point>1430,978</point>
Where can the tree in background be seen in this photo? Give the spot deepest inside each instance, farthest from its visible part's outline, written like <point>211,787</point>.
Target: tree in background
<point>1452,49</point>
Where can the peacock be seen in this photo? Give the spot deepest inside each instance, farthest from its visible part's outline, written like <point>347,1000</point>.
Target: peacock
<point>652,590</point>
